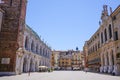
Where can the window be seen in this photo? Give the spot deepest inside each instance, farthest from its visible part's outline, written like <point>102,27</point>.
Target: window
<point>32,46</point>
<point>37,49</point>
<point>101,37</point>
<point>11,2</point>
<point>26,43</point>
<point>105,33</point>
<point>118,55</point>
<point>20,3</point>
<point>116,35</point>
<point>110,31</point>
<point>98,44</point>
<point>114,18</point>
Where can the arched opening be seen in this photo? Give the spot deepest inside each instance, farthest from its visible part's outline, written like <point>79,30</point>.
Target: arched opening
<point>43,52</point>
<point>32,46</point>
<point>26,43</point>
<point>40,50</point>
<point>112,56</point>
<point>36,67</point>
<point>110,31</point>
<point>31,65</point>
<point>103,60</point>
<point>105,34</point>
<point>40,63</point>
<point>37,51</point>
<point>107,56</point>
<point>25,65</point>
<point>101,37</point>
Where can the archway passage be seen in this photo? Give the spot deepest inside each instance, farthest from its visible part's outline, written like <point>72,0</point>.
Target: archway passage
<point>112,56</point>
<point>31,65</point>
<point>25,65</point>
<point>36,67</point>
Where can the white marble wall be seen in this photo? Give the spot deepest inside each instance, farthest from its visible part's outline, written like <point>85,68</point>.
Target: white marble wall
<point>28,59</point>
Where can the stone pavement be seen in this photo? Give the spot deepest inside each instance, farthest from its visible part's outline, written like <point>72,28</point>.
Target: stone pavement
<point>61,75</point>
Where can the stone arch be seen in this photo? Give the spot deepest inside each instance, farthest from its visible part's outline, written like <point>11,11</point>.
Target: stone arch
<point>36,66</point>
<point>43,51</point>
<point>32,46</point>
<point>46,53</point>
<point>31,65</point>
<point>112,57</point>
<point>110,31</point>
<point>105,34</point>
<point>103,60</point>
<point>40,63</point>
<point>40,50</point>
<point>26,43</point>
<point>107,58</point>
<point>25,64</point>
<point>37,49</point>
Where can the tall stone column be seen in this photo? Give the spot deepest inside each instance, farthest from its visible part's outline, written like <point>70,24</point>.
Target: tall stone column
<point>110,63</point>
<point>105,67</point>
<point>102,62</point>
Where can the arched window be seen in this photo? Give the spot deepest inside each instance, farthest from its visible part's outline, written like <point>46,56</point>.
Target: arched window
<point>40,50</point>
<point>36,48</point>
<point>32,46</point>
<point>11,1</point>
<point>101,37</point>
<point>107,56</point>
<point>26,43</point>
<point>105,33</point>
<point>112,57</point>
<point>103,59</point>
<point>110,31</point>
<point>116,35</point>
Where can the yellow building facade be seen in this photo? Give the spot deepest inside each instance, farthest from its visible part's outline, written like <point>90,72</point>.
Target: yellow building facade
<point>67,60</point>
<point>102,50</point>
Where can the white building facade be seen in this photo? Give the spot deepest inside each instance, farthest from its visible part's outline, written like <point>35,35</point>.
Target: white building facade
<point>33,54</point>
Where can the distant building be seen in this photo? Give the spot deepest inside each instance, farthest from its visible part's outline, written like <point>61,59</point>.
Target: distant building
<point>67,60</point>
<point>102,50</point>
<point>21,49</point>
<point>77,60</point>
<point>54,59</point>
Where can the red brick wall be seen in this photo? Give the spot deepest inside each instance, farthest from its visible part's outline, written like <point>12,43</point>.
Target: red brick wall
<point>13,20</point>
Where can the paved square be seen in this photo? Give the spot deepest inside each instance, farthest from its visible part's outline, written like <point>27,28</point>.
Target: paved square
<point>62,75</point>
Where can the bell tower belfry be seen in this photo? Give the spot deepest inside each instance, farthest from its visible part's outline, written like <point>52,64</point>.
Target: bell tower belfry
<point>11,33</point>
<point>104,14</point>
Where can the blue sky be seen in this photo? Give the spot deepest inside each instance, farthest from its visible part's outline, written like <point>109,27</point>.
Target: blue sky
<point>65,24</point>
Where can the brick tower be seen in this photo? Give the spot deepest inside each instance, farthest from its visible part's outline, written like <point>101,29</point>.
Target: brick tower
<point>11,33</point>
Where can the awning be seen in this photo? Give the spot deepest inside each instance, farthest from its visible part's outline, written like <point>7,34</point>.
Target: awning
<point>43,67</point>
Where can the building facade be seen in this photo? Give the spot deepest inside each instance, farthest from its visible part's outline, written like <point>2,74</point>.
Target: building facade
<point>21,49</point>
<point>55,59</point>
<point>67,60</point>
<point>77,60</point>
<point>102,50</point>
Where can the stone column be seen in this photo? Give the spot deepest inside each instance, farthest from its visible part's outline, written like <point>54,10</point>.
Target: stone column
<point>105,67</point>
<point>110,63</point>
<point>102,62</point>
